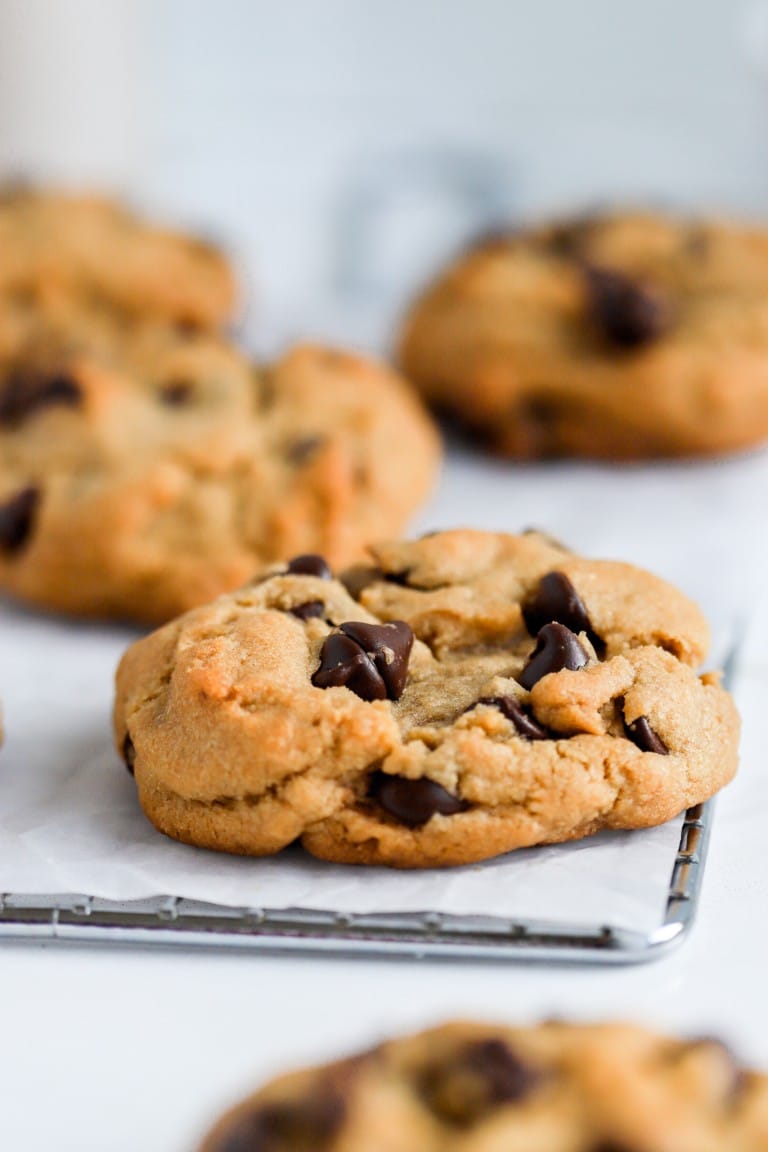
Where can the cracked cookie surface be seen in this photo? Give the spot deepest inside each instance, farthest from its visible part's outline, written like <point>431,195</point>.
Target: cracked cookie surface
<point>144,470</point>
<point>618,336</point>
<point>468,1087</point>
<point>469,694</point>
<point>94,251</point>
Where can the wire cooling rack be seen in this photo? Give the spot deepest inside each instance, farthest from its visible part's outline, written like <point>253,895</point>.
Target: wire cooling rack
<point>175,922</point>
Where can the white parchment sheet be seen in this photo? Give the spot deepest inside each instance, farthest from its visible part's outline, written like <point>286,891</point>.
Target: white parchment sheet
<point>69,819</point>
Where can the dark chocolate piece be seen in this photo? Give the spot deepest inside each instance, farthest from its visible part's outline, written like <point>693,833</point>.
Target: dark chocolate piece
<point>514,711</point>
<point>389,646</point>
<point>17,518</point>
<point>129,753</point>
<point>308,610</point>
<point>344,664</point>
<point>177,393</point>
<point>556,600</point>
<point>413,802</point>
<point>641,734</point>
<point>629,313</point>
<point>26,391</point>
<point>307,1125</point>
<point>556,648</point>
<point>309,564</point>
<point>483,1075</point>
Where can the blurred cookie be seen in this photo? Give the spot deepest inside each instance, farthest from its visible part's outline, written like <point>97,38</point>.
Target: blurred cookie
<point>468,1087</point>
<point>145,470</point>
<point>618,337</point>
<point>97,252</point>
<point>471,694</point>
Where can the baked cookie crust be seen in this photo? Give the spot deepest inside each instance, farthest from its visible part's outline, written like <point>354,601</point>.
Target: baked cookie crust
<point>96,252</point>
<point>471,1087</point>
<point>470,694</point>
<point>144,470</point>
<point>619,336</point>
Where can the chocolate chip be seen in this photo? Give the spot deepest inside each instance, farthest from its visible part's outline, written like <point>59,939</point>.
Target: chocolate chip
<point>129,753</point>
<point>308,610</point>
<point>26,391</point>
<point>301,451</point>
<point>369,659</point>
<point>481,1076</point>
<point>176,393</point>
<point>17,517</point>
<point>568,239</point>
<point>187,327</point>
<point>514,711</point>
<point>307,1125</point>
<point>556,600</point>
<point>413,802</point>
<point>556,648</point>
<point>389,646</point>
<point>627,312</point>
<point>641,733</point>
<point>309,564</point>
<point>344,664</point>
<point>399,578</point>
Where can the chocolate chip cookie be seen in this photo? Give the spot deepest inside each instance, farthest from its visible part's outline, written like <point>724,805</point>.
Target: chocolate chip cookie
<point>620,336</point>
<point>555,1087</point>
<point>468,694</point>
<point>144,469</point>
<point>97,252</point>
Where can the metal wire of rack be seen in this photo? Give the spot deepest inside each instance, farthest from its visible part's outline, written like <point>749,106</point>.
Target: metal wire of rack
<point>175,922</point>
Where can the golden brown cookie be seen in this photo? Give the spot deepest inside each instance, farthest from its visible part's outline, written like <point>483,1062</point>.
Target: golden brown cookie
<point>621,336</point>
<point>144,470</point>
<point>96,252</point>
<point>471,694</point>
<point>469,1087</point>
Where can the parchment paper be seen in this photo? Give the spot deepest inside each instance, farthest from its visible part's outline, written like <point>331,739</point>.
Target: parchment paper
<point>69,819</point>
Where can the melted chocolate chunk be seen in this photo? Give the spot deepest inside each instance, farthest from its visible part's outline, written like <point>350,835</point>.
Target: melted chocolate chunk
<point>556,648</point>
<point>308,610</point>
<point>344,664</point>
<point>389,646</point>
<point>514,711</point>
<point>481,1076</point>
<point>627,312</point>
<point>399,578</point>
<point>413,802</point>
<point>641,733</point>
<point>556,600</point>
<point>309,564</point>
<point>129,753</point>
<point>17,519</point>
<point>297,1126</point>
<point>177,393</point>
<point>27,391</point>
<point>369,659</point>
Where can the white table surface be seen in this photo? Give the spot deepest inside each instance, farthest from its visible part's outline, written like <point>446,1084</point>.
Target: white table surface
<point>108,1050</point>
